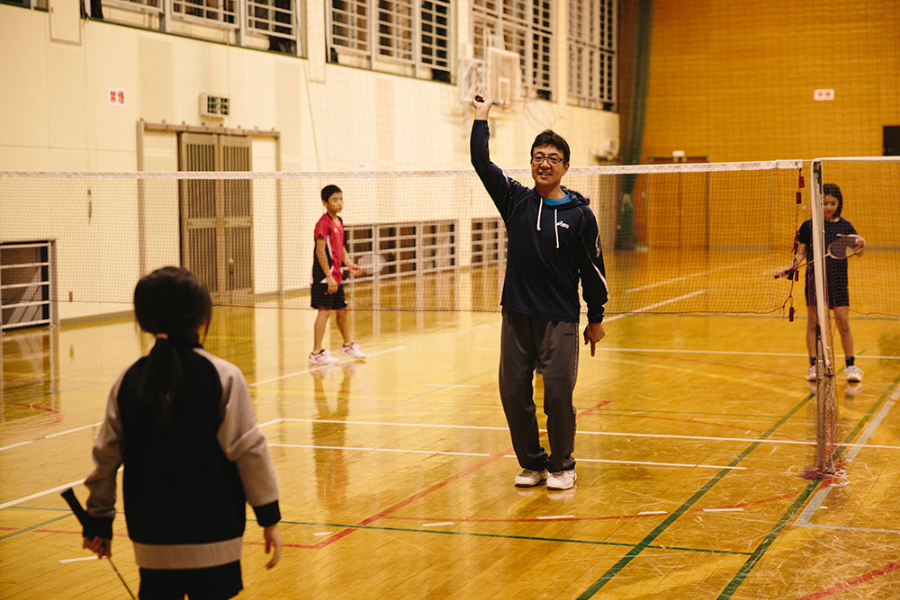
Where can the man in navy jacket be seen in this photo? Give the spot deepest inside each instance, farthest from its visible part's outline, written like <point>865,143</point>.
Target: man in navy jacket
<point>553,242</point>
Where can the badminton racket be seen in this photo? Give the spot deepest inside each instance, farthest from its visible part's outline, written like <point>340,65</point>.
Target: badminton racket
<point>540,115</point>
<point>842,248</point>
<point>83,518</point>
<point>371,263</point>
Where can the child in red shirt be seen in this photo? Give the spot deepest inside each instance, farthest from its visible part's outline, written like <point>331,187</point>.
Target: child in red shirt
<point>327,291</point>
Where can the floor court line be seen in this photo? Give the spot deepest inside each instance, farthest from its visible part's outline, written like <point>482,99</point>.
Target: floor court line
<point>692,275</point>
<point>652,306</point>
<point>602,433</point>
<point>444,453</point>
<point>819,497</point>
<point>289,375</point>
<point>723,352</point>
<point>636,549</point>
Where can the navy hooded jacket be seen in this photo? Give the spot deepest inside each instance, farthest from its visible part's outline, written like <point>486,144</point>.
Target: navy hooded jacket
<point>550,247</point>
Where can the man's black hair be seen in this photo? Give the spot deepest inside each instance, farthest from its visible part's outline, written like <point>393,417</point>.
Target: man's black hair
<point>549,137</point>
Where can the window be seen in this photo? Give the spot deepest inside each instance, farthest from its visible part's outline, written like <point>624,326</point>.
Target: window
<point>414,35</point>
<point>592,47</point>
<point>524,27</point>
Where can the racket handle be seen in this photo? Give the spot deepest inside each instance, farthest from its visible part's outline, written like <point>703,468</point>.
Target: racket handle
<point>82,516</point>
<point>493,102</point>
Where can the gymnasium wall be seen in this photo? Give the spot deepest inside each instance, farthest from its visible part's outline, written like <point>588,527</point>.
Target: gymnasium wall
<point>735,81</point>
<point>55,115</point>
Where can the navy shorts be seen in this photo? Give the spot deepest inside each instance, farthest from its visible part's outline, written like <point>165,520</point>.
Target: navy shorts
<point>838,295</point>
<point>213,583</point>
<point>320,298</point>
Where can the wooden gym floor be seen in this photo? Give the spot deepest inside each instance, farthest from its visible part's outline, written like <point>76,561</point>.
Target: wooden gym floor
<point>396,472</point>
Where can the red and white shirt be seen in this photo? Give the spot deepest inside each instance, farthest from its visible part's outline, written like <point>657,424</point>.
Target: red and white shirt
<point>332,231</point>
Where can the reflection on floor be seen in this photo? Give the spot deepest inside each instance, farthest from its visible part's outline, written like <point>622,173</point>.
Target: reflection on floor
<point>396,472</point>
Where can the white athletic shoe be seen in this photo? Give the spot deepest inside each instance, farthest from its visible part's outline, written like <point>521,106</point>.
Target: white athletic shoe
<point>352,350</point>
<point>854,374</point>
<point>322,358</point>
<point>529,478</point>
<point>811,374</point>
<point>563,480</point>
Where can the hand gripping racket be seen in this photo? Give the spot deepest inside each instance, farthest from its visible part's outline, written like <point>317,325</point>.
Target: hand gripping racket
<point>842,248</point>
<point>83,518</point>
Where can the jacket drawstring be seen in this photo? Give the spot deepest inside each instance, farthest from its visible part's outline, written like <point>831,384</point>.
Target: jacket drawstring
<point>556,228</point>
<point>540,208</point>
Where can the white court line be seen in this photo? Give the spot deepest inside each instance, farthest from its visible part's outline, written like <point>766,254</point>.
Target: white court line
<point>727,352</point>
<point>313,447</point>
<point>700,274</point>
<point>441,453</point>
<point>652,306</point>
<point>71,560</point>
<point>607,433</point>
<point>58,488</point>
<point>653,512</point>
<point>651,464</point>
<point>444,524</point>
<point>323,533</point>
<point>819,497</point>
<point>449,385</point>
<point>47,437</point>
<point>372,355</point>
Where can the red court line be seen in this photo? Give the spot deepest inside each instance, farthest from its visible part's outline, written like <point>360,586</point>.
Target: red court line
<point>331,539</point>
<point>853,582</point>
<point>57,419</point>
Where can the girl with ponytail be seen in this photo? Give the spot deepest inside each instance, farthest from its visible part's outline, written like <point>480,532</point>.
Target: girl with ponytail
<point>181,421</point>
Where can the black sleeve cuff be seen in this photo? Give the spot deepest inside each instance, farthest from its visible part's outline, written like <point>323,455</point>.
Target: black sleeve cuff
<point>98,527</point>
<point>267,514</point>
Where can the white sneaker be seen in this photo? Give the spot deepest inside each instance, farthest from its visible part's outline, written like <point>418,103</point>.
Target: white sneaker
<point>563,480</point>
<point>854,374</point>
<point>352,350</point>
<point>322,358</point>
<point>529,478</point>
<point>811,374</point>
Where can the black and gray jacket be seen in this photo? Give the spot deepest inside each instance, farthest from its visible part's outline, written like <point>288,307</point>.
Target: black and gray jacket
<point>550,247</point>
<point>185,485</point>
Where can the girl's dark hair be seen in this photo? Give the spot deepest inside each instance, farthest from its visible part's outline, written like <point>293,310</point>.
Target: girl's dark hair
<point>330,190</point>
<point>549,137</point>
<point>171,303</point>
<point>831,189</point>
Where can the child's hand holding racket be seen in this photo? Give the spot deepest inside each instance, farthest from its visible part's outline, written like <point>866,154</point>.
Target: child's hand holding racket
<point>356,270</point>
<point>593,333</point>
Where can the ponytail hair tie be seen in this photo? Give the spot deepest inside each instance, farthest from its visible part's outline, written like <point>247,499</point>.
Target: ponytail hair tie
<point>162,336</point>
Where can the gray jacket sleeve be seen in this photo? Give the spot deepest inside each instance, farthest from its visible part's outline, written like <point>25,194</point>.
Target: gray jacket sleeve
<point>107,455</point>
<point>243,442</point>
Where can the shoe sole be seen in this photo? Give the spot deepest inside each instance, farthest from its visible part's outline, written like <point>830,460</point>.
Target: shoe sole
<point>528,485</point>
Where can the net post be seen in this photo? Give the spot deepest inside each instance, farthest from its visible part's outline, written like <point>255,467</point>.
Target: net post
<point>826,408</point>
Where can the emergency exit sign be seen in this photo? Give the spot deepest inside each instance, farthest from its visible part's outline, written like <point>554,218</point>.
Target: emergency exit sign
<point>823,95</point>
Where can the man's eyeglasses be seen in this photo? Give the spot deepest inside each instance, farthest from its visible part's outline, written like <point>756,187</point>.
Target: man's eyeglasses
<point>538,159</point>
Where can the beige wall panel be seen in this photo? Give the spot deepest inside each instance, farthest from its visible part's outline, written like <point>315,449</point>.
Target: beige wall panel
<point>265,218</point>
<point>155,79</point>
<point>65,22</point>
<point>67,89</point>
<point>24,100</point>
<point>288,105</point>
<point>115,65</point>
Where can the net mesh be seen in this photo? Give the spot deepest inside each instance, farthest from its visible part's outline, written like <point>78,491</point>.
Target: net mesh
<point>708,241</point>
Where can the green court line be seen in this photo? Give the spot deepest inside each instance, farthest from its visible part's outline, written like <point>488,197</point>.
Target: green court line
<point>27,529</point>
<point>757,555</point>
<point>674,516</point>
<point>509,537</point>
